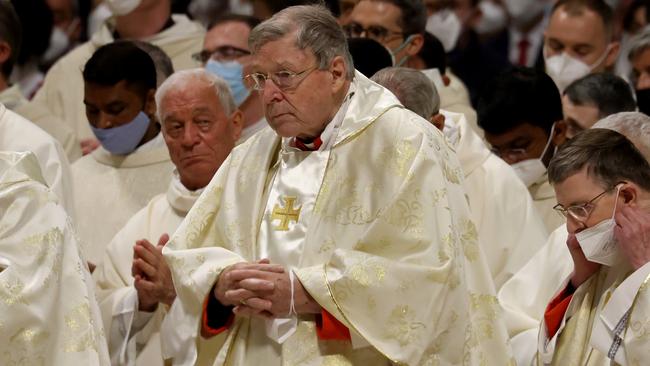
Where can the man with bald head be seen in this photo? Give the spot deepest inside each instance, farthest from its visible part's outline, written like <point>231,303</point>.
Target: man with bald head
<point>200,125</point>
<point>579,40</point>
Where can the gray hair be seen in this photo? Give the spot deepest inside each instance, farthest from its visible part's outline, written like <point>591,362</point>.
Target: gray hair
<point>315,29</point>
<point>607,92</point>
<point>414,89</point>
<point>191,78</point>
<point>633,125</point>
<point>162,62</point>
<point>639,43</point>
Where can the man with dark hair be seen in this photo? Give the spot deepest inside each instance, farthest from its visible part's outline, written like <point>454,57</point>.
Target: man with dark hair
<point>11,95</point>
<point>226,54</point>
<point>151,21</point>
<point>132,165</point>
<point>368,55</point>
<point>519,111</point>
<point>592,98</point>
<point>579,40</point>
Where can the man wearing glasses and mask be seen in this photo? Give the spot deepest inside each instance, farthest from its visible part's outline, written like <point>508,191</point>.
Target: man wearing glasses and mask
<point>582,296</point>
<point>311,227</point>
<point>226,54</point>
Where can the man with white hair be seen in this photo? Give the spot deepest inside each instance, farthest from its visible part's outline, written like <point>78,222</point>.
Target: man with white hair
<point>526,295</point>
<point>146,20</point>
<point>349,210</point>
<point>200,126</point>
<point>509,228</point>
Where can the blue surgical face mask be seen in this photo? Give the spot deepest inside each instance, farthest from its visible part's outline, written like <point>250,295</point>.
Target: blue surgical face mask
<point>124,139</point>
<point>393,53</point>
<point>233,73</point>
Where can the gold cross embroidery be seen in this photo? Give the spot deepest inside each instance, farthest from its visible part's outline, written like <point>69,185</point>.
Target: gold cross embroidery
<point>286,214</point>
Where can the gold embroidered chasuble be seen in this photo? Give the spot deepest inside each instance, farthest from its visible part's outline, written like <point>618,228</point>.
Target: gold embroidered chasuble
<point>48,311</point>
<point>389,249</point>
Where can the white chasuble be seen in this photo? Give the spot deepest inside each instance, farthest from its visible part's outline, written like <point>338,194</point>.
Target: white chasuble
<point>134,336</point>
<point>48,311</point>
<point>109,189</point>
<point>389,249</point>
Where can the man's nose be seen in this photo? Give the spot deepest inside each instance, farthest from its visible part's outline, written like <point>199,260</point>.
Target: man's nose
<point>105,121</point>
<point>271,92</point>
<point>190,135</point>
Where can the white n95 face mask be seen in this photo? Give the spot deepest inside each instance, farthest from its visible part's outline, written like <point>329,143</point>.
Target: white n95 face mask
<point>446,26</point>
<point>122,7</point>
<point>523,11</point>
<point>493,17</point>
<point>598,242</point>
<point>565,69</point>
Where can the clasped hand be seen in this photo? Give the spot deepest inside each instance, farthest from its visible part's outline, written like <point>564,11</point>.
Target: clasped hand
<point>262,289</point>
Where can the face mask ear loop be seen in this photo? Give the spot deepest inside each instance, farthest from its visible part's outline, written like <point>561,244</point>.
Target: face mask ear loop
<point>618,192</point>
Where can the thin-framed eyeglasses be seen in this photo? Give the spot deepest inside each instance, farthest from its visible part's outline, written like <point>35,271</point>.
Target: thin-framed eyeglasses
<point>374,32</point>
<point>510,154</point>
<point>284,79</point>
<point>582,211</point>
<point>223,53</point>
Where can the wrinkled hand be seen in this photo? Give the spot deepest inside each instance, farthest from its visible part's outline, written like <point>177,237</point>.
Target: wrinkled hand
<point>279,294</point>
<point>89,145</point>
<point>153,279</point>
<point>632,232</point>
<point>228,292</point>
<point>582,268</point>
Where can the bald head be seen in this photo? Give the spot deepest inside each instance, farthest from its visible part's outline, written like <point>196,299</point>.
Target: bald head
<point>633,125</point>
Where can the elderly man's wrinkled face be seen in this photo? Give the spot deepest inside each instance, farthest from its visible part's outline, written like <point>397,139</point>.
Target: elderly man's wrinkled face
<point>578,117</point>
<point>299,98</point>
<point>198,133</point>
<point>582,36</point>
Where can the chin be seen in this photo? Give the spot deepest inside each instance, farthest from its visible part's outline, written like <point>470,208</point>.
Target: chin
<point>285,129</point>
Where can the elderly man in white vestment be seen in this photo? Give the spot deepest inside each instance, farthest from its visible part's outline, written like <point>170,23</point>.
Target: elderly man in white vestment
<point>341,235</point>
<point>48,311</point>
<point>132,165</point>
<point>509,228</point>
<point>146,20</point>
<point>11,95</point>
<point>201,126</point>
<point>525,296</point>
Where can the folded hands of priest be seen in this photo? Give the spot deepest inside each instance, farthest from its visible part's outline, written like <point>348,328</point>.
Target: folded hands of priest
<point>264,290</point>
<point>152,277</point>
<point>632,233</point>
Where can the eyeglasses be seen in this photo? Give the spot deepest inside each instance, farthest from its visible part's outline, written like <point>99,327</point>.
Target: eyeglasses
<point>510,154</point>
<point>582,212</point>
<point>284,80</point>
<point>223,53</point>
<point>375,32</point>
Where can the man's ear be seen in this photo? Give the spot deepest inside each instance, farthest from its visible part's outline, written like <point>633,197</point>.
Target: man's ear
<point>559,133</point>
<point>629,194</point>
<point>612,55</point>
<point>415,45</point>
<point>339,73</point>
<point>237,124</point>
<point>438,120</point>
<point>5,52</point>
<point>150,104</point>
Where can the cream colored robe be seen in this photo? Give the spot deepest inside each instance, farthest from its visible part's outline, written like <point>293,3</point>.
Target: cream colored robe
<point>13,99</point>
<point>19,134</point>
<point>509,227</point>
<point>133,334</point>
<point>524,297</point>
<point>390,250</point>
<point>544,199</point>
<point>62,92</point>
<point>109,189</point>
<point>613,303</point>
<point>48,311</point>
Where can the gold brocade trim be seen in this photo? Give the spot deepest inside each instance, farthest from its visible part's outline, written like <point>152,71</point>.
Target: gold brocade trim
<point>359,131</point>
<point>338,307</point>
<point>644,285</point>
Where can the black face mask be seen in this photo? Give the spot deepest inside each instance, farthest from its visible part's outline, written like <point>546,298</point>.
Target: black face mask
<point>643,101</point>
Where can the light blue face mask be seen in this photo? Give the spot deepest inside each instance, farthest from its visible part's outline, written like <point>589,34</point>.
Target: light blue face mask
<point>124,139</point>
<point>233,73</point>
<point>398,49</point>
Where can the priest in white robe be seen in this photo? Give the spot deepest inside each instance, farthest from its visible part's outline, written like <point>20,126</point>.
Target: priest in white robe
<point>351,210</point>
<point>132,165</point>
<point>151,21</point>
<point>509,227</point>
<point>133,312</point>
<point>526,295</point>
<point>48,311</point>
<point>19,134</point>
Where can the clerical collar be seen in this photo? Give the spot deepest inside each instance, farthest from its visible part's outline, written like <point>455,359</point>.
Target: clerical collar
<point>179,197</point>
<point>327,137</point>
<point>170,23</point>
